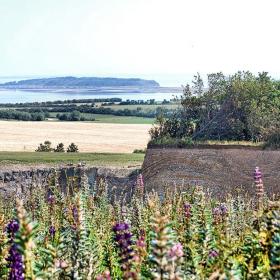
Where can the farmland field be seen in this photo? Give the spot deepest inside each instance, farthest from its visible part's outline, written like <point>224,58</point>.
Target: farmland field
<point>98,159</point>
<point>103,118</point>
<point>144,107</point>
<point>90,137</point>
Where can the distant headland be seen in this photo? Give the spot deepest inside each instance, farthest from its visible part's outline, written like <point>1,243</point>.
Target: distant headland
<point>82,82</point>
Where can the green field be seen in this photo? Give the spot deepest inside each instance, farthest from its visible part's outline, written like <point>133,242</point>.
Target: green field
<point>100,118</point>
<point>98,159</point>
<point>145,108</point>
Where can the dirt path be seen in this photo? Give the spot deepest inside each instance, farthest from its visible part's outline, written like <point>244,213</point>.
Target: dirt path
<point>90,137</point>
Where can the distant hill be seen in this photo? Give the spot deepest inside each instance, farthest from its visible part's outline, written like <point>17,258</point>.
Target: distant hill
<point>81,82</point>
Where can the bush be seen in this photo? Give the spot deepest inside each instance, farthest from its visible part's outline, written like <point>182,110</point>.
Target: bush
<point>273,141</point>
<point>72,148</point>
<point>59,148</point>
<point>46,147</point>
<point>168,140</point>
<point>139,151</point>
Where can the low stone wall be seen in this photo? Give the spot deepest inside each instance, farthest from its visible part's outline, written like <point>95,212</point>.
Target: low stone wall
<point>222,170</point>
<point>14,183</point>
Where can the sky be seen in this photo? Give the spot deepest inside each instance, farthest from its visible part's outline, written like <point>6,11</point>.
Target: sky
<point>167,40</point>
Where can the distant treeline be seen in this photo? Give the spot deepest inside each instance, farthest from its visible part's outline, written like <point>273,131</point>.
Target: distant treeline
<point>104,101</point>
<point>71,110</point>
<point>59,102</point>
<point>73,116</point>
<point>100,110</point>
<point>23,116</point>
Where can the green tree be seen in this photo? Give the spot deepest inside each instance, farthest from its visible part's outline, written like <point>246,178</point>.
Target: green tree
<point>59,148</point>
<point>72,148</point>
<point>46,147</point>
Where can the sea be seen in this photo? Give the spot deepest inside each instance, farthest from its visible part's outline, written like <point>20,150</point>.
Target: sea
<point>132,93</point>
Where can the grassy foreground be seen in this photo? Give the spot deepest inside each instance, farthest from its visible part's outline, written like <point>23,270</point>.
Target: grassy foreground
<point>99,159</point>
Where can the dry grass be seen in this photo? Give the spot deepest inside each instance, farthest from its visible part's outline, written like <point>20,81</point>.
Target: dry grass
<point>90,137</point>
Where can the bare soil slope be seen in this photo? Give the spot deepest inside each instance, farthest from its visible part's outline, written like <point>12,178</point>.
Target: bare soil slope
<point>222,170</point>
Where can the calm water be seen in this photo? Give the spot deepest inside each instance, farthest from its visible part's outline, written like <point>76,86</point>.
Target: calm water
<point>17,96</point>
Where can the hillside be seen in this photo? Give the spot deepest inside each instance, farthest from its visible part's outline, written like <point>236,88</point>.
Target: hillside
<point>221,169</point>
<point>80,82</point>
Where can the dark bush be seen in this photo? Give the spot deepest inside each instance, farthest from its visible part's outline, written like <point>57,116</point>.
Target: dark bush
<point>59,148</point>
<point>46,147</point>
<point>72,148</point>
<point>273,141</point>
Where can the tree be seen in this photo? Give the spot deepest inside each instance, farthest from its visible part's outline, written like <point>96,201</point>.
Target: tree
<point>46,147</point>
<point>198,85</point>
<point>75,116</point>
<point>239,107</point>
<point>72,148</point>
<point>59,148</point>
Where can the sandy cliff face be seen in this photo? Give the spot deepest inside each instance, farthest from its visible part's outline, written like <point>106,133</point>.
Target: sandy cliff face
<point>222,170</point>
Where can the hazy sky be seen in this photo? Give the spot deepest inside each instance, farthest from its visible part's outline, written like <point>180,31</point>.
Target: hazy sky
<point>147,38</point>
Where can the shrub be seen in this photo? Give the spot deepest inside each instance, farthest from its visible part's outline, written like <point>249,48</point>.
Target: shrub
<point>46,147</point>
<point>273,141</point>
<point>72,148</point>
<point>139,151</point>
<point>59,148</point>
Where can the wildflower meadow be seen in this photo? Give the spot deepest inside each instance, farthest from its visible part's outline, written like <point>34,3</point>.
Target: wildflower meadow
<point>182,234</point>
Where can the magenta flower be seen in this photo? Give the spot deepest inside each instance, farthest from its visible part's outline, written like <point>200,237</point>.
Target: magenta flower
<point>258,182</point>
<point>213,254</point>
<point>257,174</point>
<point>176,251</point>
<point>104,276</point>
<point>139,181</point>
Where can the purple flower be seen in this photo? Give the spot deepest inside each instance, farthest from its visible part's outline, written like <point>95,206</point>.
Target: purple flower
<point>223,209</point>
<point>51,199</point>
<point>75,214</point>
<point>12,228</point>
<point>213,254</point>
<point>187,210</point>
<point>123,238</point>
<point>15,264</point>
<point>120,226</point>
<point>257,174</point>
<point>52,231</point>
<point>14,258</point>
<point>216,211</point>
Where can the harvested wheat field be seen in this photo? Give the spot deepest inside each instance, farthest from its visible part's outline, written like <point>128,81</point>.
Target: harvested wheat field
<point>90,137</point>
